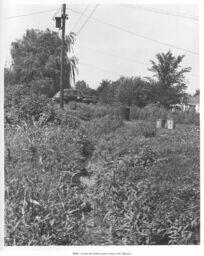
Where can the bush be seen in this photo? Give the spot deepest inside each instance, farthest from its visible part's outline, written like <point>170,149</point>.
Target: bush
<point>67,119</point>
<point>73,105</point>
<point>13,95</point>
<point>38,197</point>
<point>148,130</point>
<point>43,86</point>
<point>32,106</point>
<point>105,125</point>
<point>141,195</point>
<point>148,202</point>
<point>187,117</point>
<point>85,112</point>
<point>22,104</point>
<point>152,113</point>
<point>145,191</point>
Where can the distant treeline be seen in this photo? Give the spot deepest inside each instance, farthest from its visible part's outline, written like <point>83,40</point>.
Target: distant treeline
<point>36,65</point>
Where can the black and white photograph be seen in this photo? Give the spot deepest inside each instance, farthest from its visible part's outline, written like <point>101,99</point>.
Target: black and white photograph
<point>101,112</point>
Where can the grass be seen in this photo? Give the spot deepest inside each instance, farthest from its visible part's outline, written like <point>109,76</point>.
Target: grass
<point>146,187</point>
<point>152,113</point>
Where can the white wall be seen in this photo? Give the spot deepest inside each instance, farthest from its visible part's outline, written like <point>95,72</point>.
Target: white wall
<point>197,108</point>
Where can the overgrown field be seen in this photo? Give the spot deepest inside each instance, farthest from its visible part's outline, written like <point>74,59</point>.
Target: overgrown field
<point>144,189</point>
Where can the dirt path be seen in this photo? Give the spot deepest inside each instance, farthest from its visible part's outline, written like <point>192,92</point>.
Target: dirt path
<point>96,235</point>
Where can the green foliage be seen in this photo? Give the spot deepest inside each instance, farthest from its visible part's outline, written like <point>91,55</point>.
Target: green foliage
<point>167,89</point>
<point>88,112</point>
<point>38,197</point>
<point>97,127</point>
<point>133,91</point>
<point>43,86</point>
<point>21,106</point>
<point>84,88</point>
<point>73,105</point>
<point>125,90</point>
<point>146,129</point>
<point>153,112</point>
<point>36,57</point>
<point>186,117</point>
<point>32,106</point>
<point>145,188</point>
<point>13,95</point>
<point>145,203</point>
<point>170,78</point>
<point>150,112</point>
<point>106,92</point>
<point>9,78</point>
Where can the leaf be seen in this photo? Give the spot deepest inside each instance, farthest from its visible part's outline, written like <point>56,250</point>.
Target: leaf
<point>34,202</point>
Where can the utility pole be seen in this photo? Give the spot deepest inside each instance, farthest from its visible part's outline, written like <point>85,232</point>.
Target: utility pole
<point>63,19</point>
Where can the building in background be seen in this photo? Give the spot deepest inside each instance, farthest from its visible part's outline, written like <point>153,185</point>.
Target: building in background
<point>192,103</point>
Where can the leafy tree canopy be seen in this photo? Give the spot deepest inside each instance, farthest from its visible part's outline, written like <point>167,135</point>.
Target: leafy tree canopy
<point>170,78</point>
<point>37,56</point>
<point>105,92</point>
<point>84,88</point>
<point>134,91</point>
<point>125,90</point>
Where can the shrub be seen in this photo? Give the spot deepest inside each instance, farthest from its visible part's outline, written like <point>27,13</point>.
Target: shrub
<point>43,86</point>
<point>85,112</point>
<point>152,113</point>
<point>32,106</point>
<point>187,117</point>
<point>13,95</point>
<point>73,105</point>
<point>67,119</point>
<point>145,191</point>
<point>147,211</point>
<point>149,112</point>
<point>101,111</point>
<point>38,198</point>
<point>105,125</point>
<point>22,104</point>
<point>88,112</point>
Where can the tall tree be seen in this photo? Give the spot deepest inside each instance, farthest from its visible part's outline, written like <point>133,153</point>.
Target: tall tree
<point>170,78</point>
<point>133,91</point>
<point>82,86</point>
<point>105,92</point>
<point>37,57</point>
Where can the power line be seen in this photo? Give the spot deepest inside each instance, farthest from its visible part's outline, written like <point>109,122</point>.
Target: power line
<point>164,12</point>
<point>77,22</point>
<point>111,72</point>
<point>137,35</point>
<point>111,25</point>
<point>57,11</point>
<point>115,56</point>
<point>32,13</point>
<point>89,17</point>
<point>126,59</point>
<point>98,68</point>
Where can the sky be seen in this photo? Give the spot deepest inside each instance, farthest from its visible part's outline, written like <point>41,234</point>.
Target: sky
<point>123,39</point>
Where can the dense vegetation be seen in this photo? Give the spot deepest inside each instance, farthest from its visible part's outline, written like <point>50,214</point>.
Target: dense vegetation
<point>140,185</point>
<point>153,112</point>
<point>36,64</point>
<point>144,186</point>
<point>36,61</point>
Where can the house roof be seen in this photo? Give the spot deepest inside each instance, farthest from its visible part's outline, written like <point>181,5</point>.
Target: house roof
<point>193,100</point>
